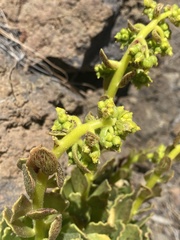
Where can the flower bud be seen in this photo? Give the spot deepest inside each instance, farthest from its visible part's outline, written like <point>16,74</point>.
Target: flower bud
<point>106,108</point>
<point>135,49</point>
<point>154,60</point>
<point>139,57</point>
<point>147,63</point>
<point>61,113</point>
<point>116,140</point>
<point>67,125</point>
<point>164,26</point>
<point>95,156</point>
<point>56,126</point>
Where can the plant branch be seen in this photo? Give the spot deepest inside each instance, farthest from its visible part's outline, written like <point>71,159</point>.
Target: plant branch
<point>123,64</point>
<point>71,138</point>
<point>38,202</point>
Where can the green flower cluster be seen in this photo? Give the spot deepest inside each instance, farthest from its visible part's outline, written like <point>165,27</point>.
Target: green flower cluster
<point>143,51</point>
<point>64,123</point>
<point>106,107</point>
<point>125,37</point>
<point>153,10</point>
<point>104,72</point>
<point>141,78</point>
<point>159,41</point>
<point>86,153</point>
<point>175,14</point>
<point>111,136</point>
<point>141,56</point>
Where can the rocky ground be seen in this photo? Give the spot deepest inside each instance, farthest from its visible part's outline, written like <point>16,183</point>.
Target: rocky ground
<point>33,37</point>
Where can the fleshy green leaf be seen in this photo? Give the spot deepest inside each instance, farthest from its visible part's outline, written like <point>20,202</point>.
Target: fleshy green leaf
<point>131,232</point>
<point>143,221</point>
<point>120,210</point>
<point>78,209</point>
<point>67,188</point>
<point>21,207</point>
<point>69,236</point>
<point>41,213</point>
<point>75,199</point>
<point>79,181</point>
<point>102,189</point>
<point>8,234</point>
<point>29,182</point>
<point>59,176</point>
<point>58,203</point>
<point>75,230</point>
<point>98,202</point>
<point>96,236</point>
<point>99,227</point>
<point>104,171</point>
<point>55,228</point>
<point>119,227</point>
<point>17,226</point>
<point>149,207</point>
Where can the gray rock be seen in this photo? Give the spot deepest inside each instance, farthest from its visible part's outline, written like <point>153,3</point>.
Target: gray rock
<point>62,29</point>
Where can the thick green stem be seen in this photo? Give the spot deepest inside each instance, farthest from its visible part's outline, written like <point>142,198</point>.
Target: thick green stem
<point>40,230</point>
<point>38,202</point>
<point>40,188</point>
<point>77,133</point>
<point>145,31</point>
<point>175,152</point>
<point>123,64</point>
<point>119,73</point>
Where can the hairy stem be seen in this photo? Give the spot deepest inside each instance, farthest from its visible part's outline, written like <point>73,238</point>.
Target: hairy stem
<point>38,202</point>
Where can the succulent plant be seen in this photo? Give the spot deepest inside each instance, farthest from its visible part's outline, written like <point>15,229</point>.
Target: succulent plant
<point>97,201</point>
